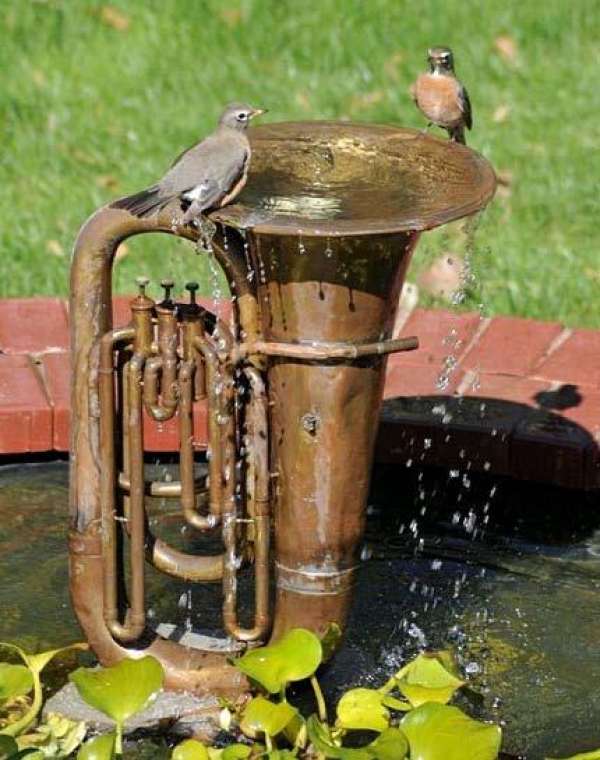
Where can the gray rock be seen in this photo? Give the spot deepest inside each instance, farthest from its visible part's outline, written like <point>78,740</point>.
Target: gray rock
<point>187,714</point>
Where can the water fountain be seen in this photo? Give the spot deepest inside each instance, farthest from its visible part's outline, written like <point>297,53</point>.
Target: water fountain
<point>315,251</point>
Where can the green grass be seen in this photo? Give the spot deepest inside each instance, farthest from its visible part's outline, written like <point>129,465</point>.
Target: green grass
<point>89,112</point>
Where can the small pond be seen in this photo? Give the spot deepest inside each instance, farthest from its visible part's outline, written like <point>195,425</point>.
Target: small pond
<point>506,574</point>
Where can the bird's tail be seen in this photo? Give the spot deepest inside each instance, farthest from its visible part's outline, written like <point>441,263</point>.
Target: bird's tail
<point>457,134</point>
<point>144,203</point>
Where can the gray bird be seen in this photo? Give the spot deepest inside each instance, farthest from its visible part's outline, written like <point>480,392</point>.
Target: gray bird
<point>441,97</point>
<point>206,176</point>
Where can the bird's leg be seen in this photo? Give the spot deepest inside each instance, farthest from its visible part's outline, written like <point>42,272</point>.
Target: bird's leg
<point>207,230</point>
<point>426,128</point>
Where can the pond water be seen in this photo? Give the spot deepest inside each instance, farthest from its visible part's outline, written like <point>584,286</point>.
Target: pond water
<point>507,575</point>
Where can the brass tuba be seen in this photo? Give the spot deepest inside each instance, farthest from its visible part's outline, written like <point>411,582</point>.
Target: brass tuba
<point>315,254</point>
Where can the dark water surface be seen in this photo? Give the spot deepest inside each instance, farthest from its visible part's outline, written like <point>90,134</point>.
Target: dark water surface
<point>508,576</point>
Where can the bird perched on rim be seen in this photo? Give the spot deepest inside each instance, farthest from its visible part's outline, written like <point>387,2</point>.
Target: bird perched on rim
<point>208,175</point>
<point>441,97</point>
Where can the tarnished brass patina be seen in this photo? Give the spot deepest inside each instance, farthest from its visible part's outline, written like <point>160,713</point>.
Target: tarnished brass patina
<point>315,252</point>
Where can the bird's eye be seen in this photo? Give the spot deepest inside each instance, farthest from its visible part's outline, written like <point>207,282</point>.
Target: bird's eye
<point>242,116</point>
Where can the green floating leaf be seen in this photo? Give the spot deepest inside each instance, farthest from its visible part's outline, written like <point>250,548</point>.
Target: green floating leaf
<point>15,681</point>
<point>281,754</point>
<point>121,690</point>
<point>331,640</point>
<point>98,748</point>
<point>57,736</point>
<point>428,678</point>
<point>593,755</point>
<point>391,744</point>
<point>35,663</point>
<point>236,752</point>
<point>363,709</point>
<point>263,717</point>
<point>294,657</point>
<point>442,732</point>
<point>8,746</point>
<point>190,749</point>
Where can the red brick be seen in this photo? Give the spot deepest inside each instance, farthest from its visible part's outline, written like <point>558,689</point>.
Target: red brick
<point>403,379</point>
<point>511,346</point>
<point>121,312</point>
<point>57,376</point>
<point>25,414</point>
<point>510,388</point>
<point>441,334</point>
<point>164,436</point>
<point>576,360</point>
<point>33,325</point>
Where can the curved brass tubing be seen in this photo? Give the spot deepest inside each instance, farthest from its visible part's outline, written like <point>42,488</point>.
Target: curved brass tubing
<point>165,364</point>
<point>257,420</point>
<point>108,474</point>
<point>200,671</point>
<point>186,454</point>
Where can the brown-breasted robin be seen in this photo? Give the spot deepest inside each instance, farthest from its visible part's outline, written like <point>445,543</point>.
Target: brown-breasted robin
<point>208,175</point>
<point>441,97</point>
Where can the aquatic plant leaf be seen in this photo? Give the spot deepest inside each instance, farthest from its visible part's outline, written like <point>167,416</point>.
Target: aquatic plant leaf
<point>15,681</point>
<point>295,731</point>
<point>35,663</point>
<point>593,755</point>
<point>281,754</point>
<point>295,656</point>
<point>190,749</point>
<point>236,752</point>
<point>121,690</point>
<point>363,709</point>
<point>443,732</point>
<point>331,640</point>
<point>8,746</point>
<point>321,739</point>
<point>428,678</point>
<point>263,717</point>
<point>56,737</point>
<point>98,748</point>
<point>391,744</point>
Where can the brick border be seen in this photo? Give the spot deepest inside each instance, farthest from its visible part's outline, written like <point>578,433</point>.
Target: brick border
<point>510,395</point>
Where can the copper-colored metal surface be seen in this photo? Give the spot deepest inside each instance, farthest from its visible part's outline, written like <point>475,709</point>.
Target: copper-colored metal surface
<point>331,214</point>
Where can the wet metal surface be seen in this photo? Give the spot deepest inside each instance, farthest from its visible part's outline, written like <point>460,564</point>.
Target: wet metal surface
<point>328,178</point>
<point>516,594</point>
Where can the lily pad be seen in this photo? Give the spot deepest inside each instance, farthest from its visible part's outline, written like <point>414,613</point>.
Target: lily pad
<point>443,732</point>
<point>322,741</point>
<point>294,657</point>
<point>391,744</point>
<point>363,709</point>
<point>428,678</point>
<point>263,717</point>
<point>122,689</point>
<point>330,641</point>
<point>98,748</point>
<point>593,755</point>
<point>8,746</point>
<point>236,752</point>
<point>190,749</point>
<point>15,681</point>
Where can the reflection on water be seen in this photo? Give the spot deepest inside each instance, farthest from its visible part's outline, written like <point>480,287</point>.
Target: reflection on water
<point>520,603</point>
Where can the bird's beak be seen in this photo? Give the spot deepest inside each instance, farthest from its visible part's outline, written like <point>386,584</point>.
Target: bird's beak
<point>258,112</point>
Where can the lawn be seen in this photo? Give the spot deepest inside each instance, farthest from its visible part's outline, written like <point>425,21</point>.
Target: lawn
<point>97,99</point>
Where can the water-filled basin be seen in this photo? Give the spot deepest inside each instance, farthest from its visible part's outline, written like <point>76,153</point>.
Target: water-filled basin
<point>341,178</point>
